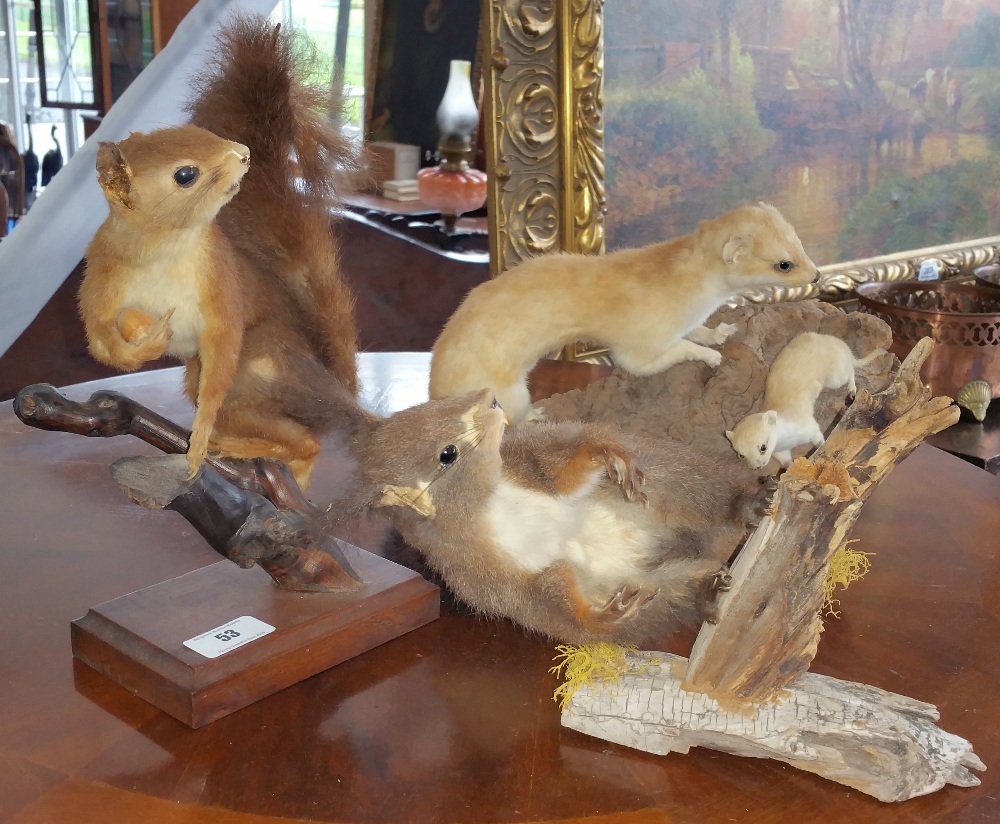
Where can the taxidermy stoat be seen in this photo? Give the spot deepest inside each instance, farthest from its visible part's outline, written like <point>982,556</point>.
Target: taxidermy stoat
<point>573,530</point>
<point>807,365</point>
<point>248,294</point>
<point>646,305</point>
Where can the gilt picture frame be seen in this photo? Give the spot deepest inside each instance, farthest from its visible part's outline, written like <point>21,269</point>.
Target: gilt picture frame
<point>543,127</point>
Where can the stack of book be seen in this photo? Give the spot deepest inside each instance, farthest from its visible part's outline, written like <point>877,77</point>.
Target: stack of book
<point>402,190</point>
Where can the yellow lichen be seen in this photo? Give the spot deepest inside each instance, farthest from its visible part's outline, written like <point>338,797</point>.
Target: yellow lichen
<point>846,566</point>
<point>602,661</point>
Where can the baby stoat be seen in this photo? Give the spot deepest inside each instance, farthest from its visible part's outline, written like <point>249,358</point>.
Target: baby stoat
<point>573,530</point>
<point>807,365</point>
<point>247,293</point>
<point>646,305</point>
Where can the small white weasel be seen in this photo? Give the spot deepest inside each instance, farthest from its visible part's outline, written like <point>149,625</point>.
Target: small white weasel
<point>646,305</point>
<point>808,364</point>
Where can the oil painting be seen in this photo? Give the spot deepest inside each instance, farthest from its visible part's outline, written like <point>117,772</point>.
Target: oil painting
<point>874,125</point>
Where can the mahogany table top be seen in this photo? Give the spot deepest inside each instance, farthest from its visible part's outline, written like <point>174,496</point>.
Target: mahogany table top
<point>453,722</point>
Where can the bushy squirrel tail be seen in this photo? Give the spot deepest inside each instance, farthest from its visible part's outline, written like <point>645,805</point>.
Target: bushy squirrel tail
<point>257,92</point>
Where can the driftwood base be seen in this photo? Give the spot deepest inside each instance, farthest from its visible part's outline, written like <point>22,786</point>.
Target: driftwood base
<point>138,640</point>
<point>880,743</point>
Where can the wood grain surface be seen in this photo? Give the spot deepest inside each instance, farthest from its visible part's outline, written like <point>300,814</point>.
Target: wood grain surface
<point>453,722</point>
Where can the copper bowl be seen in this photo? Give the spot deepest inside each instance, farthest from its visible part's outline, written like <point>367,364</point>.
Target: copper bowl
<point>963,320</point>
<point>988,275</point>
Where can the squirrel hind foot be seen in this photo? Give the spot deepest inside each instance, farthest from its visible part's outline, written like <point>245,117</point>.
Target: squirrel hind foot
<point>624,604</point>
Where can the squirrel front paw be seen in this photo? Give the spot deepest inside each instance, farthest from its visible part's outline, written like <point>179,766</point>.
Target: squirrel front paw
<point>147,339</point>
<point>624,470</point>
<point>751,508</point>
<point>708,597</point>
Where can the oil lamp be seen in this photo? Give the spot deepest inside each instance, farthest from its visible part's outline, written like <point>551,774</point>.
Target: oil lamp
<point>453,187</point>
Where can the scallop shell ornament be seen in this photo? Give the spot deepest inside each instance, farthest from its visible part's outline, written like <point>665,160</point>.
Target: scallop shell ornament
<point>975,396</point>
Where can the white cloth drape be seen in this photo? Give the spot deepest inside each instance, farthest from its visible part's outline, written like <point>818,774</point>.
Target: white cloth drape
<point>45,246</point>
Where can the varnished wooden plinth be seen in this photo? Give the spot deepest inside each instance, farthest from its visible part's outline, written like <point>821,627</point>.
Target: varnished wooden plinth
<point>138,640</point>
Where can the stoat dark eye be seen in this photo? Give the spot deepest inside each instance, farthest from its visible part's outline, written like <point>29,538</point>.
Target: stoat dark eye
<point>784,266</point>
<point>186,175</point>
<point>448,455</point>
<point>495,404</point>
<point>763,448</point>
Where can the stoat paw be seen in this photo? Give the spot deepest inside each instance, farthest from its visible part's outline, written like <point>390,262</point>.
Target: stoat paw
<point>711,357</point>
<point>624,471</point>
<point>723,332</point>
<point>536,415</point>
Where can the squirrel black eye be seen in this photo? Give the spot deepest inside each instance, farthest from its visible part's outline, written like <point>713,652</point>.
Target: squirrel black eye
<point>784,266</point>
<point>763,448</point>
<point>186,175</point>
<point>448,455</point>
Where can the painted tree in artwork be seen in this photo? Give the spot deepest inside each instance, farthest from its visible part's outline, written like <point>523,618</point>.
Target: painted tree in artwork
<point>726,8</point>
<point>871,33</point>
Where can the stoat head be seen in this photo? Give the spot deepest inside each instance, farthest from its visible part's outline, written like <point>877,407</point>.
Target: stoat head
<point>755,437</point>
<point>173,178</point>
<point>442,450</point>
<point>760,248</point>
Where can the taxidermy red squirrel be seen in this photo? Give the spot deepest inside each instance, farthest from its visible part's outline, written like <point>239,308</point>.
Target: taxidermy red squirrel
<point>646,305</point>
<point>573,530</point>
<point>218,251</point>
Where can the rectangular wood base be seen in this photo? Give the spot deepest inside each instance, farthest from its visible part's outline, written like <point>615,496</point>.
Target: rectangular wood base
<point>138,640</point>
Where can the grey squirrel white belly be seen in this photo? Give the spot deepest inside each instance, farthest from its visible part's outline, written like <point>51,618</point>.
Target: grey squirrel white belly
<point>495,514</point>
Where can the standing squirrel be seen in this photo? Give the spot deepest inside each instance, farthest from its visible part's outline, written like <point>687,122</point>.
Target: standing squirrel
<point>646,305</point>
<point>574,530</point>
<point>218,251</point>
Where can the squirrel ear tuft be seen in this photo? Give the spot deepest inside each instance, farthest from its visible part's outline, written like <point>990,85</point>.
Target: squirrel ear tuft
<point>114,174</point>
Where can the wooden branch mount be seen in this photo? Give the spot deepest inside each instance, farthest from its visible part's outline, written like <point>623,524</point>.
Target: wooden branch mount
<point>251,512</point>
<point>325,601</point>
<point>745,688</point>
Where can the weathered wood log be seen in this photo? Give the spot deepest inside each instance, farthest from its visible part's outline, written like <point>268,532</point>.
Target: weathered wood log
<point>109,414</point>
<point>768,622</point>
<point>880,743</point>
<point>240,525</point>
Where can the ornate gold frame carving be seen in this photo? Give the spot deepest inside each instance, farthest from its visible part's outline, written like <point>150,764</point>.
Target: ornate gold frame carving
<point>838,280</point>
<point>544,127</point>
